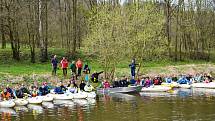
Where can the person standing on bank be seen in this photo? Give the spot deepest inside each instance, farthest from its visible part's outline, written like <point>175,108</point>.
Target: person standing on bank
<point>133,68</point>
<point>54,63</point>
<point>64,66</point>
<point>79,66</point>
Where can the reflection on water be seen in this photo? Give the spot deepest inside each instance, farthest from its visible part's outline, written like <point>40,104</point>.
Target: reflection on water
<point>182,104</point>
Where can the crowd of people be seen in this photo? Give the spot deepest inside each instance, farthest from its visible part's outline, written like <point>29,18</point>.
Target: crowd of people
<point>75,84</point>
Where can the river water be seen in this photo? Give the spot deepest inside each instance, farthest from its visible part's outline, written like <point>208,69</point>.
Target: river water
<point>179,105</point>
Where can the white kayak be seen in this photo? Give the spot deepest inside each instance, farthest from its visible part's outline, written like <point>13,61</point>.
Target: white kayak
<point>20,102</point>
<point>7,104</point>
<point>80,95</point>
<point>66,96</point>
<point>185,86</point>
<point>35,100</point>
<point>47,98</point>
<point>157,88</point>
<point>62,102</point>
<point>210,85</point>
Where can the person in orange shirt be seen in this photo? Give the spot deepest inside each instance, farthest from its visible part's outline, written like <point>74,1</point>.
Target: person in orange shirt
<point>5,95</point>
<point>64,66</point>
<point>79,66</point>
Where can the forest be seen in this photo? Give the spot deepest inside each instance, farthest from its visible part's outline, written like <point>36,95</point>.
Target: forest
<point>109,31</point>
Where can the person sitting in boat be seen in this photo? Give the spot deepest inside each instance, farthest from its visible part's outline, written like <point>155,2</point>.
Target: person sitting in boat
<point>138,81</point>
<point>72,88</point>
<point>82,85</point>
<point>115,83</point>
<point>157,81</point>
<point>174,78</point>
<point>142,81</point>
<point>62,86</point>
<point>133,81</point>
<point>106,84</point>
<point>24,90</point>
<point>147,82</point>
<point>58,89</point>
<point>44,89</point>
<point>95,76</point>
<point>10,91</point>
<point>5,95</point>
<point>168,80</point>
<point>88,87</point>
<point>207,78</point>
<point>183,80</point>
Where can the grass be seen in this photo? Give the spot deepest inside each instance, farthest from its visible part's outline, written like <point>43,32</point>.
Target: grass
<point>25,67</point>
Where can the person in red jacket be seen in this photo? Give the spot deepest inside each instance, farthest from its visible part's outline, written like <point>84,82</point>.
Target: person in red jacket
<point>79,66</point>
<point>64,66</point>
<point>106,84</point>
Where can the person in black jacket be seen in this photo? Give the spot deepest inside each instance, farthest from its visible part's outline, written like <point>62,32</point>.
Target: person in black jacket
<point>82,85</point>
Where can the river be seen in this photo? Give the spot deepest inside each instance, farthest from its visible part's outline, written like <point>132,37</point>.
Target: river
<point>187,104</point>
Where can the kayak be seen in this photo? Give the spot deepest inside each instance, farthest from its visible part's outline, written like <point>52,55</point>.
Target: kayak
<point>46,98</point>
<point>210,85</point>
<point>62,102</point>
<point>185,86</point>
<point>7,104</point>
<point>118,89</point>
<point>203,91</point>
<point>20,102</point>
<point>157,94</point>
<point>157,88</point>
<point>67,96</point>
<point>35,100</point>
<point>80,95</point>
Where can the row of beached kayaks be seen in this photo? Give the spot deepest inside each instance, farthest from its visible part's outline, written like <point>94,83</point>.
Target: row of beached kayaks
<point>47,98</point>
<point>168,86</point>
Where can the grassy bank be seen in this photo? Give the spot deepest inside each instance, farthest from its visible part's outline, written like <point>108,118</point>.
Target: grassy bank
<point>26,68</point>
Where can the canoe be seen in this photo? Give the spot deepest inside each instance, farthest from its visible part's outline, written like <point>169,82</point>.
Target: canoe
<point>80,95</point>
<point>157,88</point>
<point>20,102</point>
<point>7,104</point>
<point>185,86</point>
<point>47,98</point>
<point>210,85</point>
<point>67,96</point>
<point>118,89</point>
<point>35,100</point>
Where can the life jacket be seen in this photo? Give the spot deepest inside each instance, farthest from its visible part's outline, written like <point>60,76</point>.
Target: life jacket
<point>34,93</point>
<point>106,85</point>
<point>6,96</point>
<point>156,82</point>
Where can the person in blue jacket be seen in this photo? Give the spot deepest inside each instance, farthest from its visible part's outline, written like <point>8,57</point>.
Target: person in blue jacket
<point>133,68</point>
<point>168,80</point>
<point>183,80</point>
<point>58,89</point>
